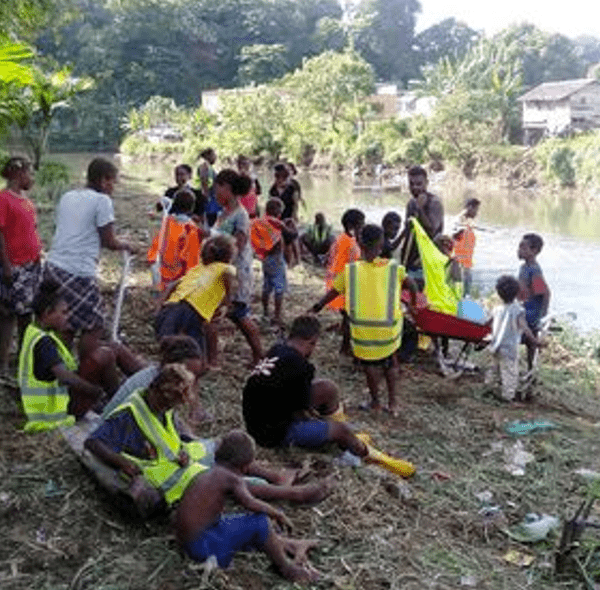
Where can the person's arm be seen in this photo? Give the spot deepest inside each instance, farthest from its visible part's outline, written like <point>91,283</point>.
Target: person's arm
<point>229,282</point>
<point>73,380</point>
<point>327,298</point>
<point>109,457</point>
<point>5,262</point>
<point>242,494</point>
<point>109,240</point>
<point>434,218</point>
<point>529,335</point>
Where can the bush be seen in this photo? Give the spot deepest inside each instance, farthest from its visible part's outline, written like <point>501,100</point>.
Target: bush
<point>51,179</point>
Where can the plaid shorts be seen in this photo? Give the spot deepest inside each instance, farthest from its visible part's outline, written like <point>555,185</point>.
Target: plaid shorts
<point>18,297</point>
<point>82,294</point>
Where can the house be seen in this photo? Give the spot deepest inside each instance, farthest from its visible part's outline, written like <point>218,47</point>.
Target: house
<point>555,108</point>
<point>388,101</point>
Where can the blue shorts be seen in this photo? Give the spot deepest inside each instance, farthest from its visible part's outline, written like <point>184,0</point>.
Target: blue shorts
<point>232,533</point>
<point>274,275</point>
<point>180,318</point>
<point>238,310</point>
<point>307,433</point>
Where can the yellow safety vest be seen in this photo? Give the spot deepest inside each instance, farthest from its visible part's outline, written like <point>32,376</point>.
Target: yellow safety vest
<point>373,306</point>
<point>163,472</point>
<point>44,402</point>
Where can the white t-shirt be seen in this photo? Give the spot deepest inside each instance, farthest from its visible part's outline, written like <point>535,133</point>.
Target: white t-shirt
<point>506,335</point>
<point>76,243</point>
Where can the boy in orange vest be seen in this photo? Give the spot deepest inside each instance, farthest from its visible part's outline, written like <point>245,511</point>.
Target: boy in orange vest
<point>345,249</point>
<point>177,246</point>
<point>464,242</point>
<point>267,234</point>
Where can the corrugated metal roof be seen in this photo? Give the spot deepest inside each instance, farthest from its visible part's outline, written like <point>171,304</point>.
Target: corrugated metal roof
<point>551,91</point>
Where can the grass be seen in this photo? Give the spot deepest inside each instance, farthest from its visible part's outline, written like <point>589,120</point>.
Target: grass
<point>374,534</point>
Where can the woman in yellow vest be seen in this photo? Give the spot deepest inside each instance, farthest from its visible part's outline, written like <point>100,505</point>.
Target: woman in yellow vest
<point>372,289</point>
<point>53,390</point>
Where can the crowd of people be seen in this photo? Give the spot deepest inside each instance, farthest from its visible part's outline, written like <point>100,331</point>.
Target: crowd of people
<point>202,260</point>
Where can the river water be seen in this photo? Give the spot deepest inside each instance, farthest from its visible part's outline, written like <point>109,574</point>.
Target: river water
<point>570,227</point>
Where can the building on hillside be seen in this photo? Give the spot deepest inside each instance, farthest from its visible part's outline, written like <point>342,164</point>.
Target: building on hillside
<point>558,108</point>
<point>388,102</point>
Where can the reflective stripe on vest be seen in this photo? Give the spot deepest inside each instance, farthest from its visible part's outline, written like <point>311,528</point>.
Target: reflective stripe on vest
<point>44,402</point>
<point>375,331</point>
<point>164,473</point>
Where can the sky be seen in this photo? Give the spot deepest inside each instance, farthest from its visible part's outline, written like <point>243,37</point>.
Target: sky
<point>573,18</point>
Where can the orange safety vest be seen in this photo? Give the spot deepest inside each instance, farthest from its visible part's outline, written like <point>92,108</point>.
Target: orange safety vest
<point>345,249</point>
<point>464,247</point>
<point>265,232</point>
<point>180,249</point>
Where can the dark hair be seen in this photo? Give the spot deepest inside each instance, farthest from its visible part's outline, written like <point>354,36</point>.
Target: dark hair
<point>241,159</point>
<point>47,298</point>
<point>507,287</point>
<point>185,167</point>
<point>98,170</point>
<point>370,235</point>
<point>178,348</point>
<point>217,249</point>
<point>183,201</point>
<point>206,153</point>
<point>292,168</point>
<point>352,218</point>
<point>240,184</point>
<point>14,165</point>
<point>274,206</point>
<point>173,383</point>
<point>472,202</point>
<point>281,169</point>
<point>417,171</point>
<point>305,327</point>
<point>535,241</point>
<point>236,449</point>
<point>391,216</point>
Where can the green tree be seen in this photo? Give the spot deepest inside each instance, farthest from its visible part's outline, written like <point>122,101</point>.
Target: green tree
<point>261,63</point>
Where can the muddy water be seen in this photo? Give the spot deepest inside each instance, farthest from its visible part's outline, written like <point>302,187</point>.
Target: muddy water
<point>571,228</point>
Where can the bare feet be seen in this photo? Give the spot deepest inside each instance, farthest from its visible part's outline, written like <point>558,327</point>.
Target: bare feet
<point>393,411</point>
<point>298,549</point>
<point>288,477</point>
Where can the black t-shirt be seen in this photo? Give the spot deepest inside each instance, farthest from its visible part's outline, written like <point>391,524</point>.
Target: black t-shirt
<point>45,356</point>
<point>287,196</point>
<point>200,203</point>
<point>279,386</point>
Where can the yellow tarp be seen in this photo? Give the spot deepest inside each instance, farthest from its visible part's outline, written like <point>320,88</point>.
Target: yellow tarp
<point>440,294</point>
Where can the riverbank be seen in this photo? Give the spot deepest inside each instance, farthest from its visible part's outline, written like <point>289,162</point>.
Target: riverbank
<point>442,529</point>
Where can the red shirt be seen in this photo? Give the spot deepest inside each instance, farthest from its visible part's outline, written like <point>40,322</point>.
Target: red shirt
<point>18,224</point>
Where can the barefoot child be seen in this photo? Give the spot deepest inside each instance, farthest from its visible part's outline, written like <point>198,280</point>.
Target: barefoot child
<point>534,292</point>
<point>53,391</point>
<point>464,241</point>
<point>203,530</point>
<point>373,288</point>
<point>509,326</point>
<point>192,302</point>
<point>267,235</point>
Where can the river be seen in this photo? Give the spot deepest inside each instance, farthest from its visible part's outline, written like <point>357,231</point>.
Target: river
<point>570,228</point>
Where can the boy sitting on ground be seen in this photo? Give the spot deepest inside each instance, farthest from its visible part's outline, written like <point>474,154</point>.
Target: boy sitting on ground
<point>53,390</point>
<point>203,530</point>
<point>317,239</point>
<point>372,289</point>
<point>268,235</point>
<point>533,292</point>
<point>509,325</point>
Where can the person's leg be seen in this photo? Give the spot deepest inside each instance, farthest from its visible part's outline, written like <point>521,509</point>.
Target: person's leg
<point>307,493</point>
<point>372,373</point>
<point>90,340</point>
<point>265,303</point>
<point>346,348</point>
<point>7,328</point>
<point>390,372</point>
<point>126,359</point>
<point>342,434</point>
<point>278,305</point>
<point>100,368</point>
<point>530,354</point>
<point>251,333</point>
<point>212,344</point>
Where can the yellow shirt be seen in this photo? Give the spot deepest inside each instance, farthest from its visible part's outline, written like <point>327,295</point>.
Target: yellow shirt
<point>203,287</point>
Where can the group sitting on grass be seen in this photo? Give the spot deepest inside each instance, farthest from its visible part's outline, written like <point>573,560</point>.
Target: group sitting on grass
<point>149,412</point>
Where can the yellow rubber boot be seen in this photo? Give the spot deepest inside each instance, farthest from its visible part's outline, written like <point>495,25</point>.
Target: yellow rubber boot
<point>396,466</point>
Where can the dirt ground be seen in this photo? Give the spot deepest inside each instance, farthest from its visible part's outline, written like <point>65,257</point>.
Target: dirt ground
<point>442,529</point>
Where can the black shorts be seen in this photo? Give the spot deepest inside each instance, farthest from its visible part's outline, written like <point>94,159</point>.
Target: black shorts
<point>386,363</point>
<point>180,318</point>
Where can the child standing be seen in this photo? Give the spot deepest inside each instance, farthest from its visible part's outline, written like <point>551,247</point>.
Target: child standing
<point>392,236</point>
<point>177,245</point>
<point>345,249</point>
<point>206,177</point>
<point>509,325</point>
<point>267,235</point>
<point>373,289</point>
<point>20,250</point>
<point>203,530</point>
<point>250,200</point>
<point>534,292</point>
<point>234,221</point>
<point>464,242</point>
<point>192,301</point>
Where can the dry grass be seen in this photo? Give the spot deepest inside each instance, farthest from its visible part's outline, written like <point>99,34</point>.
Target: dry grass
<point>59,531</point>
